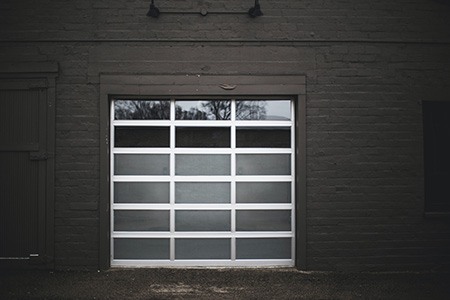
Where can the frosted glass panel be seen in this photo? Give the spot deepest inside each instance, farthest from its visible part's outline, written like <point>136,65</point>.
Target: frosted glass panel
<point>263,192</point>
<point>202,192</point>
<point>141,110</point>
<point>263,110</point>
<point>203,110</point>
<point>202,248</point>
<point>263,164</point>
<point>202,220</point>
<point>263,248</point>
<point>136,248</point>
<point>141,192</point>
<point>263,220</point>
<point>261,137</point>
<point>140,136</point>
<point>141,220</point>
<point>141,164</point>
<point>207,164</point>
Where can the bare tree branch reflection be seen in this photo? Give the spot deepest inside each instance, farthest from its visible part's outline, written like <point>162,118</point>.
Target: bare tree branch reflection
<point>141,110</point>
<point>192,114</point>
<point>205,110</point>
<point>251,110</point>
<point>201,110</point>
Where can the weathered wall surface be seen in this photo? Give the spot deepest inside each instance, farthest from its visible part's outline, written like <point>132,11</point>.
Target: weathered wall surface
<point>368,67</point>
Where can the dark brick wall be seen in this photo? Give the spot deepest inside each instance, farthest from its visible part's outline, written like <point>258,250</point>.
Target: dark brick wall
<point>368,67</point>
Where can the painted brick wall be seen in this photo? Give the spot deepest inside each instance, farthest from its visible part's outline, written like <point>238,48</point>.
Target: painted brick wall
<point>368,67</point>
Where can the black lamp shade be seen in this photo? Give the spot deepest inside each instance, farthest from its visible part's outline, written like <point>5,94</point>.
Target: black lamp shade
<point>153,11</point>
<point>255,11</point>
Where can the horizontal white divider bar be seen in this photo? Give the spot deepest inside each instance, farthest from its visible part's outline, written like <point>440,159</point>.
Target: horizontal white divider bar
<point>264,178</point>
<point>127,263</point>
<point>203,206</point>
<point>203,123</point>
<point>263,123</point>
<point>202,234</point>
<point>138,150</point>
<point>140,206</point>
<point>154,123</point>
<point>139,178</point>
<point>201,151</point>
<point>210,178</point>
<point>262,150</point>
<point>177,123</point>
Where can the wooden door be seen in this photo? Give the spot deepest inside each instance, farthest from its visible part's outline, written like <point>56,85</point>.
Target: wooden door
<point>23,172</point>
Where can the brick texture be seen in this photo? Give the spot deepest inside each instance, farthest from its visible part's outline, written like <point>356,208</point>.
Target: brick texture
<point>368,65</point>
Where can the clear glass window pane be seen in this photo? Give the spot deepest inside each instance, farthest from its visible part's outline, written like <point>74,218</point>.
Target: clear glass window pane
<point>202,220</point>
<point>263,164</point>
<point>263,137</point>
<point>202,192</point>
<point>141,110</point>
<point>191,248</point>
<point>203,110</point>
<point>141,192</point>
<point>137,248</point>
<point>263,192</point>
<point>207,164</point>
<point>263,110</point>
<point>263,220</point>
<point>263,248</point>
<point>141,220</point>
<point>139,136</point>
<point>141,164</point>
<point>211,137</point>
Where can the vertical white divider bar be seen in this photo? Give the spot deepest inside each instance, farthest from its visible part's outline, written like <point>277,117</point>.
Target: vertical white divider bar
<point>172,180</point>
<point>233,180</point>
<point>111,177</point>
<point>293,181</point>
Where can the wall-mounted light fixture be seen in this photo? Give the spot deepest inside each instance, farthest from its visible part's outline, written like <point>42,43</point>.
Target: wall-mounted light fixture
<point>254,11</point>
<point>153,11</point>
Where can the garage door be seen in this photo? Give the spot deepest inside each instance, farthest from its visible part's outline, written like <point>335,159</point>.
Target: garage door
<point>202,182</point>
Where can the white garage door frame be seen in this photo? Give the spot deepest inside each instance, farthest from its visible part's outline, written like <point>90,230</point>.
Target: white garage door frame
<point>177,87</point>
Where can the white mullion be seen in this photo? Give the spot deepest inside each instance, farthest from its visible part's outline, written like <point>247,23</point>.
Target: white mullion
<point>211,178</point>
<point>203,206</point>
<point>198,151</point>
<point>262,123</point>
<point>293,173</point>
<point>202,234</point>
<point>201,151</point>
<point>146,206</point>
<point>141,150</point>
<point>263,150</point>
<point>158,263</point>
<point>202,123</point>
<point>140,178</point>
<point>233,180</point>
<point>172,180</point>
<point>146,123</point>
<point>263,206</point>
<point>264,178</point>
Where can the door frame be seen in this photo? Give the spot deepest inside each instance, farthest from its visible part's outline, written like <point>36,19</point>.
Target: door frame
<point>42,77</point>
<point>116,85</point>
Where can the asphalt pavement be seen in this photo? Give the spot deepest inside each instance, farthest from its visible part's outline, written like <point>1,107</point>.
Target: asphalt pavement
<point>221,284</point>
